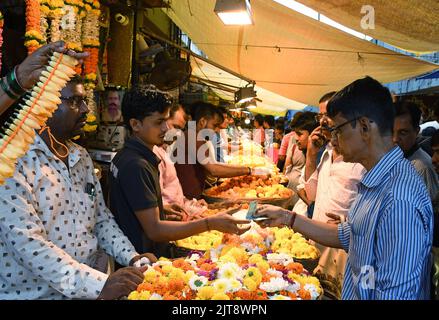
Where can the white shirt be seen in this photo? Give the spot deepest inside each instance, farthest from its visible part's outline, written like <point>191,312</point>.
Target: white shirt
<point>169,184</point>
<point>333,186</point>
<point>50,228</point>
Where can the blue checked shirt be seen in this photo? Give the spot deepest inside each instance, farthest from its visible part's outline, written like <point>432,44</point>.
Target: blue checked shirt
<point>388,234</point>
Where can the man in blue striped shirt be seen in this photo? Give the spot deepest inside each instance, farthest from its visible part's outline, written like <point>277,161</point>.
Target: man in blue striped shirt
<point>388,234</point>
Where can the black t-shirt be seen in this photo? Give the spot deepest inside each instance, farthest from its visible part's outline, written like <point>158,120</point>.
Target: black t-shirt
<point>134,186</point>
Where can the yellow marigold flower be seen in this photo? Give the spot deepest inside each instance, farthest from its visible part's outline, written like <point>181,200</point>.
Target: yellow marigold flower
<point>134,295</point>
<point>151,275</point>
<point>31,43</point>
<point>144,295</point>
<point>167,269</point>
<point>90,128</point>
<point>254,274</point>
<point>227,258</point>
<point>255,259</point>
<point>220,296</point>
<point>250,284</point>
<point>91,117</point>
<point>188,275</point>
<point>263,265</point>
<point>45,10</point>
<point>176,274</point>
<point>206,293</point>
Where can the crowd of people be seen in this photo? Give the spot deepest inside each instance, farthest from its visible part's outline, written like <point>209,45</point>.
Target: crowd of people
<point>366,192</point>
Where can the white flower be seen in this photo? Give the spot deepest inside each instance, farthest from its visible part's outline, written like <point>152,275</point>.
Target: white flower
<point>194,257</point>
<point>156,296</point>
<point>279,297</point>
<point>222,285</point>
<point>274,285</point>
<point>196,282</point>
<point>250,248</point>
<point>163,263</point>
<point>215,253</point>
<point>312,289</point>
<point>236,285</point>
<point>281,258</point>
<point>293,287</point>
<point>275,273</point>
<point>230,270</point>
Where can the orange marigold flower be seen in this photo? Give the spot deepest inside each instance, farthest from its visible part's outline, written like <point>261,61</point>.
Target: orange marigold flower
<point>305,295</point>
<point>176,285</point>
<point>295,267</point>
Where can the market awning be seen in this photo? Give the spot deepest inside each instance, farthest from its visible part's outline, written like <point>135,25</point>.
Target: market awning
<point>408,24</point>
<point>271,103</point>
<point>288,53</point>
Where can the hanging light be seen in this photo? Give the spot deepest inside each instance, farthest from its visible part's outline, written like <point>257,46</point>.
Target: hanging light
<point>245,94</point>
<point>251,104</point>
<point>234,12</point>
<point>247,121</point>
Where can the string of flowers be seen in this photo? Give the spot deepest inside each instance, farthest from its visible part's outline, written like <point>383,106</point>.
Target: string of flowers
<point>1,38</point>
<point>71,23</point>
<point>90,41</point>
<point>33,37</point>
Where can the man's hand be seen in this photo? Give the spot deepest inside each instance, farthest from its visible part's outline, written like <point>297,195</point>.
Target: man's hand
<point>120,283</point>
<point>224,222</point>
<point>30,69</point>
<point>175,212</point>
<point>277,216</point>
<point>315,141</point>
<point>333,218</point>
<point>261,171</point>
<point>151,257</point>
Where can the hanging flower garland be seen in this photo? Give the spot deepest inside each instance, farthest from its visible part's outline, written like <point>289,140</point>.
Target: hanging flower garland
<point>90,41</point>
<point>33,39</point>
<point>1,38</point>
<point>71,26</point>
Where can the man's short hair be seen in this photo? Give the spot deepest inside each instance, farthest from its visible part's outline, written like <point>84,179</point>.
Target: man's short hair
<point>175,108</point>
<point>270,120</point>
<point>259,119</point>
<point>365,98</point>
<point>141,102</point>
<point>327,96</point>
<point>410,108</point>
<point>205,110</point>
<point>304,121</point>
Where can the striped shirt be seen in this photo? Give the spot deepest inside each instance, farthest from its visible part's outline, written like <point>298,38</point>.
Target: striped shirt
<point>388,234</point>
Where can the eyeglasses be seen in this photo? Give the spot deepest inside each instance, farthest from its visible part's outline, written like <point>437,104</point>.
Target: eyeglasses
<point>75,102</point>
<point>320,116</point>
<point>335,131</point>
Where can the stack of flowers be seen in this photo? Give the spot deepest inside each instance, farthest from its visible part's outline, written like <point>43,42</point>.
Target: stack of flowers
<point>203,241</point>
<point>293,243</point>
<point>228,273</point>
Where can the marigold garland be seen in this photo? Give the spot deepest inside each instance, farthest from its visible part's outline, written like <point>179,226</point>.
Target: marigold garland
<point>33,37</point>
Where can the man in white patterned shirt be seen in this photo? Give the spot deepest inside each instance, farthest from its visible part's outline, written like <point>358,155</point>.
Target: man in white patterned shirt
<point>54,219</point>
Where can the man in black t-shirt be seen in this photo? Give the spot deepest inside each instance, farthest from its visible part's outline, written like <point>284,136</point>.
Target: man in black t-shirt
<point>135,196</point>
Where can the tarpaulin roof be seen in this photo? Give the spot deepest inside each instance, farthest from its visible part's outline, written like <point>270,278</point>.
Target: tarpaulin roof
<point>412,25</point>
<point>288,53</point>
<point>271,103</point>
